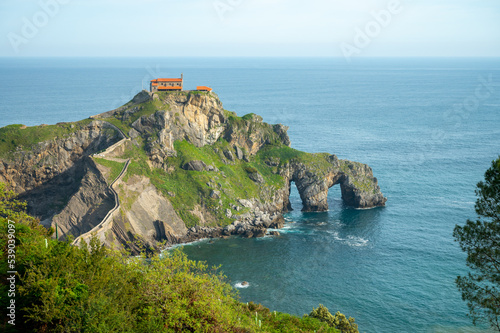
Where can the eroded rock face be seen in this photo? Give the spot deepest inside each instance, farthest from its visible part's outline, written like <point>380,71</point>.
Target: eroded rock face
<point>88,206</point>
<point>146,218</point>
<point>196,118</point>
<point>252,133</point>
<point>47,175</point>
<point>360,189</point>
<point>245,229</point>
<point>195,166</point>
<point>151,211</point>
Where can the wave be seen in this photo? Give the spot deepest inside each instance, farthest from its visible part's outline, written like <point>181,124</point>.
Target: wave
<point>369,208</point>
<point>242,285</point>
<point>460,204</point>
<point>356,241</point>
<point>201,240</point>
<point>353,241</point>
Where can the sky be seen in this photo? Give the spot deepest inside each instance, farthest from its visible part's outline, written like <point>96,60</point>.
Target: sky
<point>159,28</point>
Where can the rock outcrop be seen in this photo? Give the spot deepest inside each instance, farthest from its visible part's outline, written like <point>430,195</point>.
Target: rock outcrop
<point>197,118</point>
<point>251,133</point>
<point>49,173</point>
<point>88,206</point>
<point>148,217</point>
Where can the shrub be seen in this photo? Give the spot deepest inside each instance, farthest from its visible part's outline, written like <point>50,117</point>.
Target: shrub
<point>339,321</point>
<point>250,169</point>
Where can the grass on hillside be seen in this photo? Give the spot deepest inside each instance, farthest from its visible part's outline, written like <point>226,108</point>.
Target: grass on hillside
<point>362,183</point>
<point>144,109</point>
<point>318,163</point>
<point>115,168</point>
<point>193,188</point>
<point>13,136</point>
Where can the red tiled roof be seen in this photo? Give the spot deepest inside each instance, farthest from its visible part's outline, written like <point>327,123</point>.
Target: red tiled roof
<point>167,80</point>
<point>204,88</point>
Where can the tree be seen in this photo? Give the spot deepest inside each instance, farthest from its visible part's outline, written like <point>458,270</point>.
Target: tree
<point>339,321</point>
<point>480,239</point>
<point>13,209</point>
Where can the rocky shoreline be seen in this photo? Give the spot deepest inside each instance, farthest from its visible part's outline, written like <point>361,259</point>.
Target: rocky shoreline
<point>245,229</point>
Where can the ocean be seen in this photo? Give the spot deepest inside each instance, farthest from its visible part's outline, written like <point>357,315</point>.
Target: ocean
<point>429,128</point>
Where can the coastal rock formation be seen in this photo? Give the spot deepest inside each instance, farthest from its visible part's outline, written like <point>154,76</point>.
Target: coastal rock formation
<point>148,216</point>
<point>251,133</point>
<point>88,205</point>
<point>358,186</point>
<point>194,171</point>
<point>49,172</point>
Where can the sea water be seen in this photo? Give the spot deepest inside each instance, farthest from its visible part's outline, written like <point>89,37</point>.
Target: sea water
<point>429,128</point>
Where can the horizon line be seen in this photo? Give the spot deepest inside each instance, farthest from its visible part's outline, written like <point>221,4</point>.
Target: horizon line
<point>254,56</point>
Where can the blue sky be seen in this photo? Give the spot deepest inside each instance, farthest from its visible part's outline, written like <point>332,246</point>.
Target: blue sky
<point>249,27</point>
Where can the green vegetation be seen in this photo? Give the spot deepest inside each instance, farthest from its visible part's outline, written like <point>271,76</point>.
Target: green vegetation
<point>283,153</point>
<point>250,169</point>
<point>480,239</point>
<point>13,136</point>
<point>252,124</point>
<point>338,321</point>
<point>196,92</point>
<point>215,193</point>
<point>194,188</point>
<point>126,117</point>
<point>317,163</point>
<point>234,120</point>
<point>63,288</point>
<point>115,168</point>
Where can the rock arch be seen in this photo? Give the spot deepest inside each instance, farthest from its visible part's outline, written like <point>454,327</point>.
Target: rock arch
<point>358,186</point>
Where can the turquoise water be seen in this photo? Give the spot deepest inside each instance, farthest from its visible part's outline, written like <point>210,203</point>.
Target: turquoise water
<point>391,268</point>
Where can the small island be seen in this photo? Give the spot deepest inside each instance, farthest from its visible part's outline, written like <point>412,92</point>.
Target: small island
<point>168,167</point>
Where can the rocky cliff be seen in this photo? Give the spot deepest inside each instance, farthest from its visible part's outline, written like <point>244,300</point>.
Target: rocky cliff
<point>193,170</point>
<point>48,173</point>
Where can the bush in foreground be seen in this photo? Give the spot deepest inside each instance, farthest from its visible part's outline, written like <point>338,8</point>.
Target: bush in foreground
<point>338,321</point>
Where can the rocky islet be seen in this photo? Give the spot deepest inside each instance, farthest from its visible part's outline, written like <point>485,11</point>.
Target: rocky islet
<point>65,186</point>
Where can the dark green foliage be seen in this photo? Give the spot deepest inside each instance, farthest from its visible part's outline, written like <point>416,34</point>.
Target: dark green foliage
<point>28,232</point>
<point>480,239</point>
<point>75,289</point>
<point>339,321</point>
<point>13,209</point>
<point>276,322</point>
<point>250,169</point>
